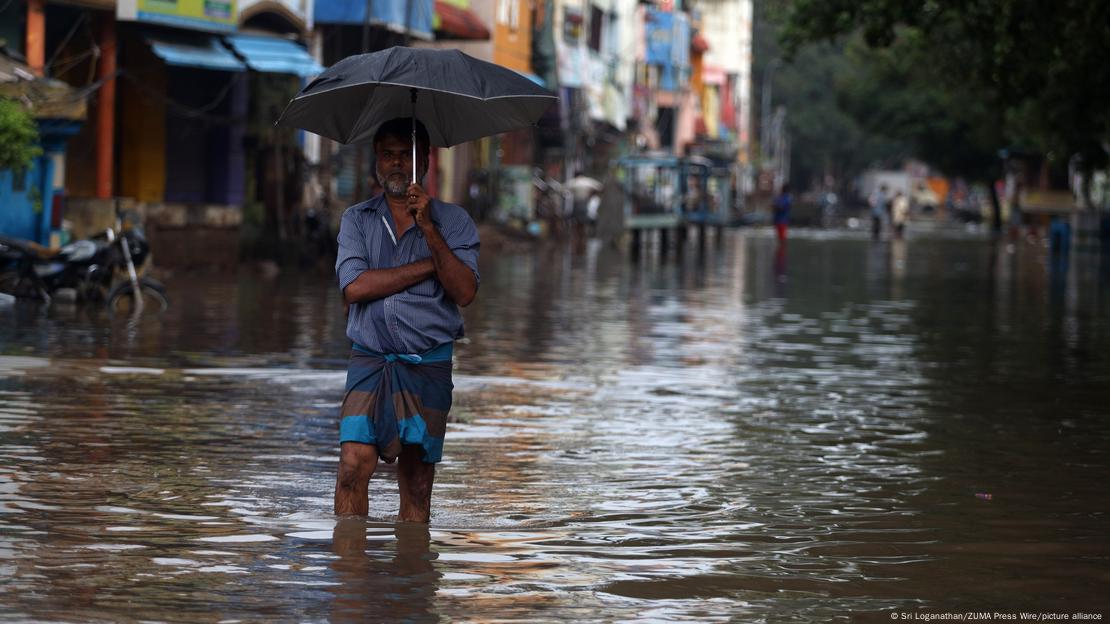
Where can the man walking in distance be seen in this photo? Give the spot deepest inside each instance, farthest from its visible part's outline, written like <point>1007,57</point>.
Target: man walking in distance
<point>406,263</point>
<point>878,202</point>
<point>781,213</point>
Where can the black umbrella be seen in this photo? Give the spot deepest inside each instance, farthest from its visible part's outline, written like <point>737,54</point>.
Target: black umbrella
<point>458,98</point>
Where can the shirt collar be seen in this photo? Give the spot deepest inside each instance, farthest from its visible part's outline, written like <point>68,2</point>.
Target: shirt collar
<point>373,203</point>
<point>378,201</point>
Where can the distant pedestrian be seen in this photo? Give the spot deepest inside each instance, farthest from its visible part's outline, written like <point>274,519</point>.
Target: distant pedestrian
<point>781,212</point>
<point>593,206</point>
<point>899,213</point>
<point>878,202</point>
<point>1015,211</point>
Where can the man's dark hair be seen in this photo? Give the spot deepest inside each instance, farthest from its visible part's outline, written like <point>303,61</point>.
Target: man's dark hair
<point>401,128</point>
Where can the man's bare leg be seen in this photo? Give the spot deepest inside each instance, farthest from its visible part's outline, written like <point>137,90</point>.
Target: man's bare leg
<point>352,484</point>
<point>414,480</point>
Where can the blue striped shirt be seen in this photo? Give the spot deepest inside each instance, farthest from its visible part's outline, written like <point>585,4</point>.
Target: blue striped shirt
<point>422,316</point>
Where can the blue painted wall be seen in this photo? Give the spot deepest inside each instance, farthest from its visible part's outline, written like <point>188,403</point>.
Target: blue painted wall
<point>20,215</point>
<point>25,203</point>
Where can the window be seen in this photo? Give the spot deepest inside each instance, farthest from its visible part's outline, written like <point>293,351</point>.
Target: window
<point>611,38</point>
<point>597,23</point>
<point>572,25</point>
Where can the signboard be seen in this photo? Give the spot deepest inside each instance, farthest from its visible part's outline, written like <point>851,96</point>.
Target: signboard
<point>210,15</point>
<point>299,10</point>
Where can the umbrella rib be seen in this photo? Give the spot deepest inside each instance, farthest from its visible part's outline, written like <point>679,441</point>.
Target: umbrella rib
<point>409,86</point>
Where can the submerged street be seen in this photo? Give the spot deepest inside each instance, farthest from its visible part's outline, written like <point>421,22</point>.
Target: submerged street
<point>845,428</point>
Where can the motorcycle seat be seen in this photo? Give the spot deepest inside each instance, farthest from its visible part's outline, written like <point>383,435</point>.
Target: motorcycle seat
<point>31,248</point>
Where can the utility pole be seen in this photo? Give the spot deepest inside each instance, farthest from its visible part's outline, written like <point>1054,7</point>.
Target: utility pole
<point>366,26</point>
<point>780,156</point>
<point>359,148</point>
<point>106,108</point>
<point>408,20</point>
<point>36,36</point>
<point>765,111</point>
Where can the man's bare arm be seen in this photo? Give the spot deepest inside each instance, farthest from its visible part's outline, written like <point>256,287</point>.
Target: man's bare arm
<point>375,284</point>
<point>457,278</point>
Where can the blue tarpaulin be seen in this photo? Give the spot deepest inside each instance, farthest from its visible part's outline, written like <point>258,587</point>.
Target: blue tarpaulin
<point>274,55</point>
<point>388,13</point>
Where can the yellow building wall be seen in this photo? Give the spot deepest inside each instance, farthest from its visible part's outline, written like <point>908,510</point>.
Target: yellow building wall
<point>142,128</point>
<point>512,43</point>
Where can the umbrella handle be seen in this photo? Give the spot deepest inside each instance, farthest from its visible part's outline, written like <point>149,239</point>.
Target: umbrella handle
<point>413,91</point>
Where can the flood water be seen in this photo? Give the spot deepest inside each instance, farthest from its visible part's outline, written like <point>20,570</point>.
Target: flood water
<point>847,430</point>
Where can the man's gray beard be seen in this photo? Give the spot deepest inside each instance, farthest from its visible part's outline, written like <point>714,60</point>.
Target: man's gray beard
<point>397,189</point>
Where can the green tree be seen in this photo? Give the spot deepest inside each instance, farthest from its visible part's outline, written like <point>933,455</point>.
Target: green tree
<point>896,92</point>
<point>1034,73</point>
<point>18,136</point>
<point>828,139</point>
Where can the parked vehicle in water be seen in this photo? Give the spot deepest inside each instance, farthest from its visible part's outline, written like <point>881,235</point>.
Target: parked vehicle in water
<point>665,190</point>
<point>105,268</point>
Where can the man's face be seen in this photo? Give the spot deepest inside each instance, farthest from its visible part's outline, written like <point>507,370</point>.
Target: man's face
<point>393,166</point>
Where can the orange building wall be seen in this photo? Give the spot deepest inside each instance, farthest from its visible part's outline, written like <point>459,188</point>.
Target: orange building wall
<point>513,47</point>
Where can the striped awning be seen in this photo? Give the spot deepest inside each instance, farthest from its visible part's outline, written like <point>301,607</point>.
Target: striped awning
<point>274,55</point>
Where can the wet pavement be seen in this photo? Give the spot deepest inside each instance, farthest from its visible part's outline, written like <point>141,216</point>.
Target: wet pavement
<point>845,430</point>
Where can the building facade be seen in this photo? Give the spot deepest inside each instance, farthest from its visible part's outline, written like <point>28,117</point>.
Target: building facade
<point>182,97</point>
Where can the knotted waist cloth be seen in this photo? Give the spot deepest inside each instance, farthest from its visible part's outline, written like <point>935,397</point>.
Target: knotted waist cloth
<point>396,399</point>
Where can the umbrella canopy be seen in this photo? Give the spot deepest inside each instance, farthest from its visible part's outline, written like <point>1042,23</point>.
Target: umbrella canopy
<point>457,97</point>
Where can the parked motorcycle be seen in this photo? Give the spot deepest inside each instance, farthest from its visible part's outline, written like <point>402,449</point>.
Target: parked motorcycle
<point>100,269</point>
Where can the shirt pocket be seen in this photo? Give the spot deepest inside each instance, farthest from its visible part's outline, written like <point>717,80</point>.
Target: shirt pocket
<point>427,288</point>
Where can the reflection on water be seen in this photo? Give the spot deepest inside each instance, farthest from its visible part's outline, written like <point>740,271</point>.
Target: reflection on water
<point>834,427</point>
<point>399,579</point>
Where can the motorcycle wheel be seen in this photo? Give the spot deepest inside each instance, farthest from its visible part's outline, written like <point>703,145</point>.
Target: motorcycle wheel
<point>18,285</point>
<point>121,300</point>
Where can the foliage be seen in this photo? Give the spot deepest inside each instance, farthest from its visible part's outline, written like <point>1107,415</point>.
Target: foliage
<point>1033,73</point>
<point>18,136</point>
<point>828,140</point>
<point>896,93</point>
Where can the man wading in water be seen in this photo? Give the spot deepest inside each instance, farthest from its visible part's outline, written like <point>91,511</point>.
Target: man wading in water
<point>406,263</point>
